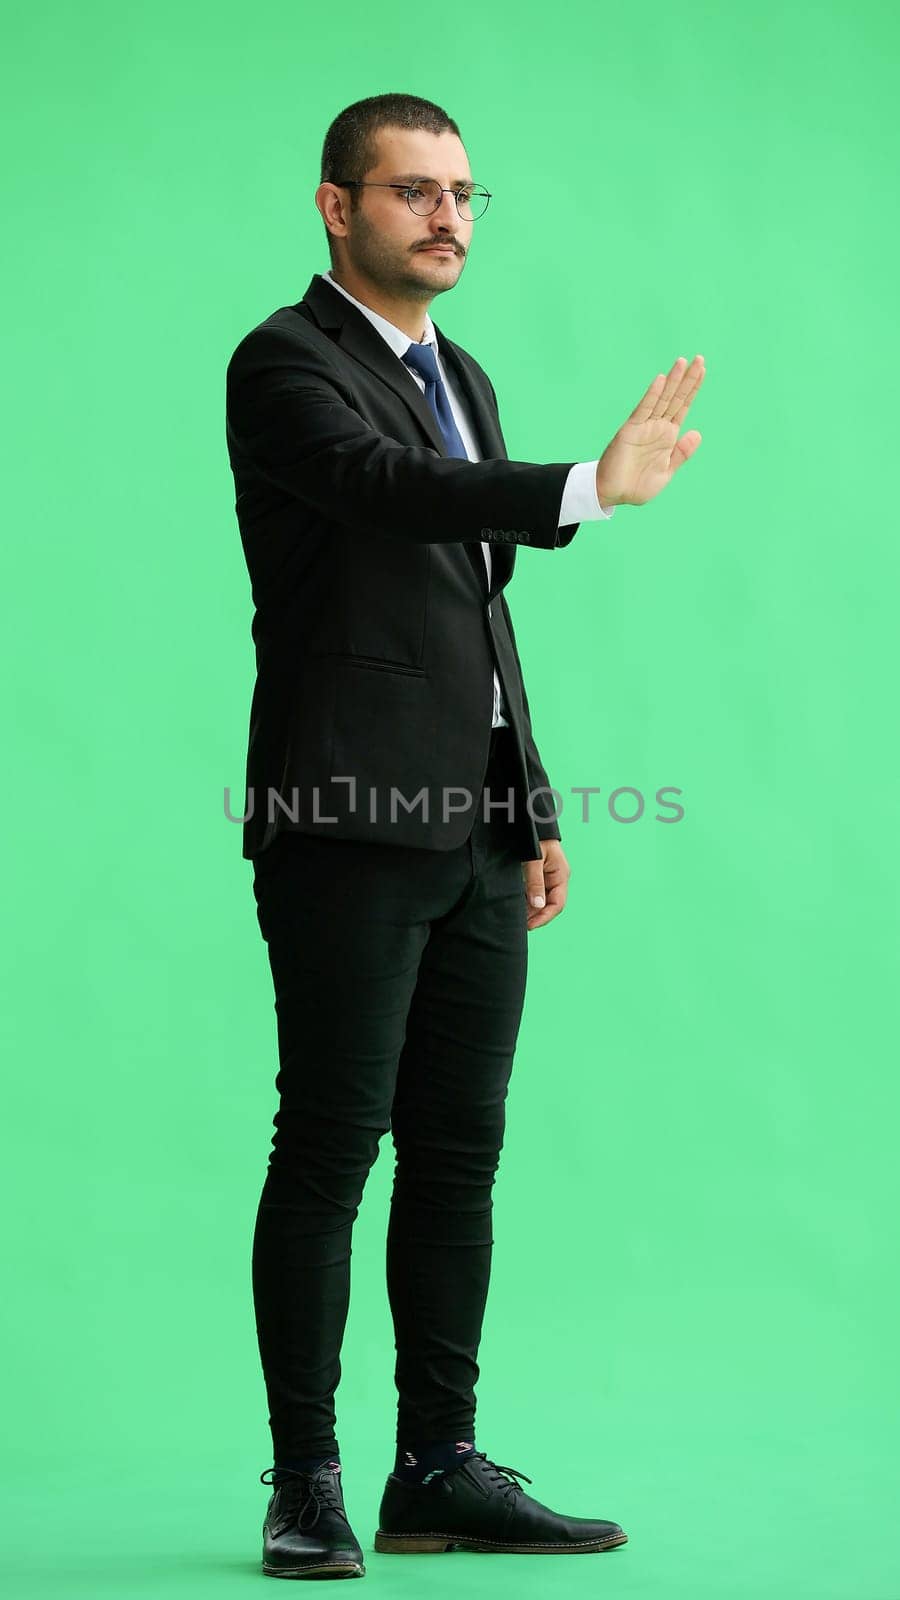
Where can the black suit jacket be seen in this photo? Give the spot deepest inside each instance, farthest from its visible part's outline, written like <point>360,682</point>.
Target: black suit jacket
<point>376,634</point>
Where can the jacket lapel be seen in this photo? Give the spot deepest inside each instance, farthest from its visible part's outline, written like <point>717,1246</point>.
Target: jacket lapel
<point>355,334</point>
<point>360,340</point>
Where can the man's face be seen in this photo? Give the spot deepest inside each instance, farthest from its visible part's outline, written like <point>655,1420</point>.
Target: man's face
<point>387,242</point>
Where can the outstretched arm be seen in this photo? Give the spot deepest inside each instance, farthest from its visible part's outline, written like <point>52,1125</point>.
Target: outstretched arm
<point>292,430</point>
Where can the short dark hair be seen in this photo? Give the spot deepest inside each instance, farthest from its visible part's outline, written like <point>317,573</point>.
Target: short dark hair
<point>350,149</point>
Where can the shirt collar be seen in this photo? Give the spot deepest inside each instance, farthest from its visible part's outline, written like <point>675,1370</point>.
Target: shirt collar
<point>394,336</point>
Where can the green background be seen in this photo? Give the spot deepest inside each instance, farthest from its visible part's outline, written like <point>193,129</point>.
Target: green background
<point>693,1318</point>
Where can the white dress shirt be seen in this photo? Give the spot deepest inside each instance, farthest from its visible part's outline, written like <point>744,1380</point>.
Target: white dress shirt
<point>579,498</point>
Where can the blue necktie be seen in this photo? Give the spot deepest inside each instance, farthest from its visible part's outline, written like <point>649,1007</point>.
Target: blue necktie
<point>422,359</point>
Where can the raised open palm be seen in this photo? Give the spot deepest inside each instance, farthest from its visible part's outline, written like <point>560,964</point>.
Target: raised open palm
<point>646,452</point>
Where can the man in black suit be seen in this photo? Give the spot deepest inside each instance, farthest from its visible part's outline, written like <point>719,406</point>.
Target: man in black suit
<point>399,819</point>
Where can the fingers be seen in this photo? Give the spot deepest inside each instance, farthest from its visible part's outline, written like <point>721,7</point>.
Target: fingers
<point>556,900</point>
<point>670,394</point>
<point>684,395</point>
<point>684,448</point>
<point>533,874</point>
<point>644,407</point>
<point>679,388</point>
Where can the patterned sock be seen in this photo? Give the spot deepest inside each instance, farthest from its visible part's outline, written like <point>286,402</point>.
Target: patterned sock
<point>301,1464</point>
<point>419,1462</point>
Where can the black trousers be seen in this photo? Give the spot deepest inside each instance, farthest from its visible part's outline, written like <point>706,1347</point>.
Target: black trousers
<point>399,978</point>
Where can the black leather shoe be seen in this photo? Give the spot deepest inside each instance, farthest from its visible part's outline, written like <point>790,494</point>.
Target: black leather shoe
<point>306,1533</point>
<point>480,1506</point>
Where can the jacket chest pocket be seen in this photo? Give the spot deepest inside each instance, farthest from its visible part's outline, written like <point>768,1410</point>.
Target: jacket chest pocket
<point>382,664</point>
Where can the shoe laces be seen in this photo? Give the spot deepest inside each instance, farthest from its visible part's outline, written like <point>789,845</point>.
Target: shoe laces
<point>502,1475</point>
<point>305,1491</point>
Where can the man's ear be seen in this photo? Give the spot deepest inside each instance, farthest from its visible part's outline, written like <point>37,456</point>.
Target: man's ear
<point>330,203</point>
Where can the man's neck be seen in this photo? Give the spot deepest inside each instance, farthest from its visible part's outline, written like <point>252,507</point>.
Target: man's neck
<point>406,314</point>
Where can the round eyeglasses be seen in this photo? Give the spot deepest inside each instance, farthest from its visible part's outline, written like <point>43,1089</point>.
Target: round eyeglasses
<point>424,196</point>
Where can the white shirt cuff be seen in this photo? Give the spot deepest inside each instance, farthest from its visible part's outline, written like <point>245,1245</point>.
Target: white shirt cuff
<point>579,499</point>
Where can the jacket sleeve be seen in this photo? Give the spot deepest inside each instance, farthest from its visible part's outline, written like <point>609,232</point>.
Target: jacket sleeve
<point>291,421</point>
<point>536,772</point>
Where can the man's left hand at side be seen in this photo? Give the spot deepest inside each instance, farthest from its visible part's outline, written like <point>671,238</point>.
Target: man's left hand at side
<point>548,879</point>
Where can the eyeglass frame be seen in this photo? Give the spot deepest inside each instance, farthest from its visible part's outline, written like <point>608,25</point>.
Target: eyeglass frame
<point>368,183</point>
